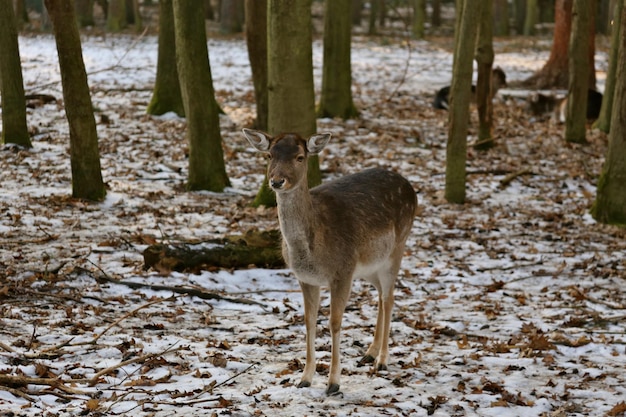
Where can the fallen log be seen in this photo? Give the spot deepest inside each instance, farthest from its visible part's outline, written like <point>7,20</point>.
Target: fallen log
<point>255,248</point>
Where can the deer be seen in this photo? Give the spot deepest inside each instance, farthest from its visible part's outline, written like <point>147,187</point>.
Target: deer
<point>353,226</point>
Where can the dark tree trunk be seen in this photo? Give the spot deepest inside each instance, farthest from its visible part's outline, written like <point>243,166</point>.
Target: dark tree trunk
<point>336,97</point>
<point>610,204</point>
<point>166,96</point>
<point>582,25</point>
<point>85,158</point>
<point>206,157</point>
<point>14,128</point>
<point>256,39</point>
<point>460,90</point>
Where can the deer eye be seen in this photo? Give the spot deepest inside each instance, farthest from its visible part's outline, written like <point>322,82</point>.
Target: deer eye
<point>268,156</point>
<point>300,158</point>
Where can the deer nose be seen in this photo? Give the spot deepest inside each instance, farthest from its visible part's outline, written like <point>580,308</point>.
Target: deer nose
<point>277,184</point>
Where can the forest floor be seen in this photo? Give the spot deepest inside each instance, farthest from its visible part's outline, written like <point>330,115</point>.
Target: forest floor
<point>511,304</point>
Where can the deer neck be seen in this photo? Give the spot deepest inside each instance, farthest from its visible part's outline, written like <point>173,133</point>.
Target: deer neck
<point>296,217</point>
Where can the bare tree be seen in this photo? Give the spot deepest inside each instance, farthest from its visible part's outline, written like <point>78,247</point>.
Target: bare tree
<point>206,157</point>
<point>256,39</point>
<point>484,95</point>
<point>582,25</point>
<point>460,90</point>
<point>291,96</point>
<point>166,96</point>
<point>336,97</point>
<point>610,204</point>
<point>604,120</point>
<point>14,128</point>
<point>84,154</point>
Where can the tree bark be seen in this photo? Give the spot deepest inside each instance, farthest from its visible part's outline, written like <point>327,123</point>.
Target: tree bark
<point>610,204</point>
<point>604,120</point>
<point>84,11</point>
<point>262,249</point>
<point>84,154</point>
<point>116,15</point>
<point>166,96</point>
<point>231,16</point>
<point>532,15</point>
<point>14,127</point>
<point>460,90</point>
<point>256,39</point>
<point>576,112</point>
<point>291,98</point>
<point>336,97</point>
<point>206,158</point>
<point>419,19</point>
<point>484,93</point>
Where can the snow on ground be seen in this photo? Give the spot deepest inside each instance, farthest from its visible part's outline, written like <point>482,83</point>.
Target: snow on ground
<point>509,305</point>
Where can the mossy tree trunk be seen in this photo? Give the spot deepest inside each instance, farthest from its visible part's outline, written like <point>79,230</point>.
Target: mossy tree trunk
<point>256,39</point>
<point>166,96</point>
<point>231,16</point>
<point>291,98</point>
<point>610,204</point>
<point>84,13</point>
<point>532,17</point>
<point>14,128</point>
<point>84,154</point>
<point>484,95</point>
<point>206,157</point>
<point>116,15</point>
<point>460,90</point>
<point>336,97</point>
<point>419,19</point>
<point>576,112</point>
<point>604,120</point>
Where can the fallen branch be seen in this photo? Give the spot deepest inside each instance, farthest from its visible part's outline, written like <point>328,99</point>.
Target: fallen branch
<point>192,292</point>
<point>94,380</point>
<point>509,178</point>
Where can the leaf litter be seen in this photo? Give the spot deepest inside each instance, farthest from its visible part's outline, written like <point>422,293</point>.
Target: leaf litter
<point>508,305</point>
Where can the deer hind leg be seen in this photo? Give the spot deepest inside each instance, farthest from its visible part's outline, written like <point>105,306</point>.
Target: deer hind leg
<point>339,295</point>
<point>378,352</point>
<point>311,296</point>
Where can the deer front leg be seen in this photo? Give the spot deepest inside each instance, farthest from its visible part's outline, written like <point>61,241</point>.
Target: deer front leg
<point>339,294</point>
<point>311,296</point>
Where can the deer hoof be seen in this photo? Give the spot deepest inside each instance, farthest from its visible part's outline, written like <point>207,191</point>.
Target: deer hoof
<point>304,384</point>
<point>366,360</point>
<point>381,367</point>
<point>333,389</point>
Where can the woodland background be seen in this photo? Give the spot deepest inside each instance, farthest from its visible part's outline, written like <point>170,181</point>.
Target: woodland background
<point>510,303</point>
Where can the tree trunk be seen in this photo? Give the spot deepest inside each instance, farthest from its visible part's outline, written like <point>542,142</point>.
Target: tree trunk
<point>84,12</point>
<point>290,78</point>
<point>532,15</point>
<point>84,155</point>
<point>166,96</point>
<point>206,157</point>
<point>484,94</point>
<point>256,39</point>
<point>576,116</point>
<point>231,16</point>
<point>336,97</point>
<point>610,204</point>
<point>460,91</point>
<point>374,11</point>
<point>500,17</point>
<point>14,128</point>
<point>419,18</point>
<point>555,72</point>
<point>435,17</point>
<point>116,15</point>
<point>604,120</point>
<point>357,9</point>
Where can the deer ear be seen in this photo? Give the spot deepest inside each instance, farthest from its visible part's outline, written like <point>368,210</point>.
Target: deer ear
<point>316,143</point>
<point>259,140</point>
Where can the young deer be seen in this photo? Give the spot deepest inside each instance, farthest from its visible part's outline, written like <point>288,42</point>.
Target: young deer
<point>355,226</point>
